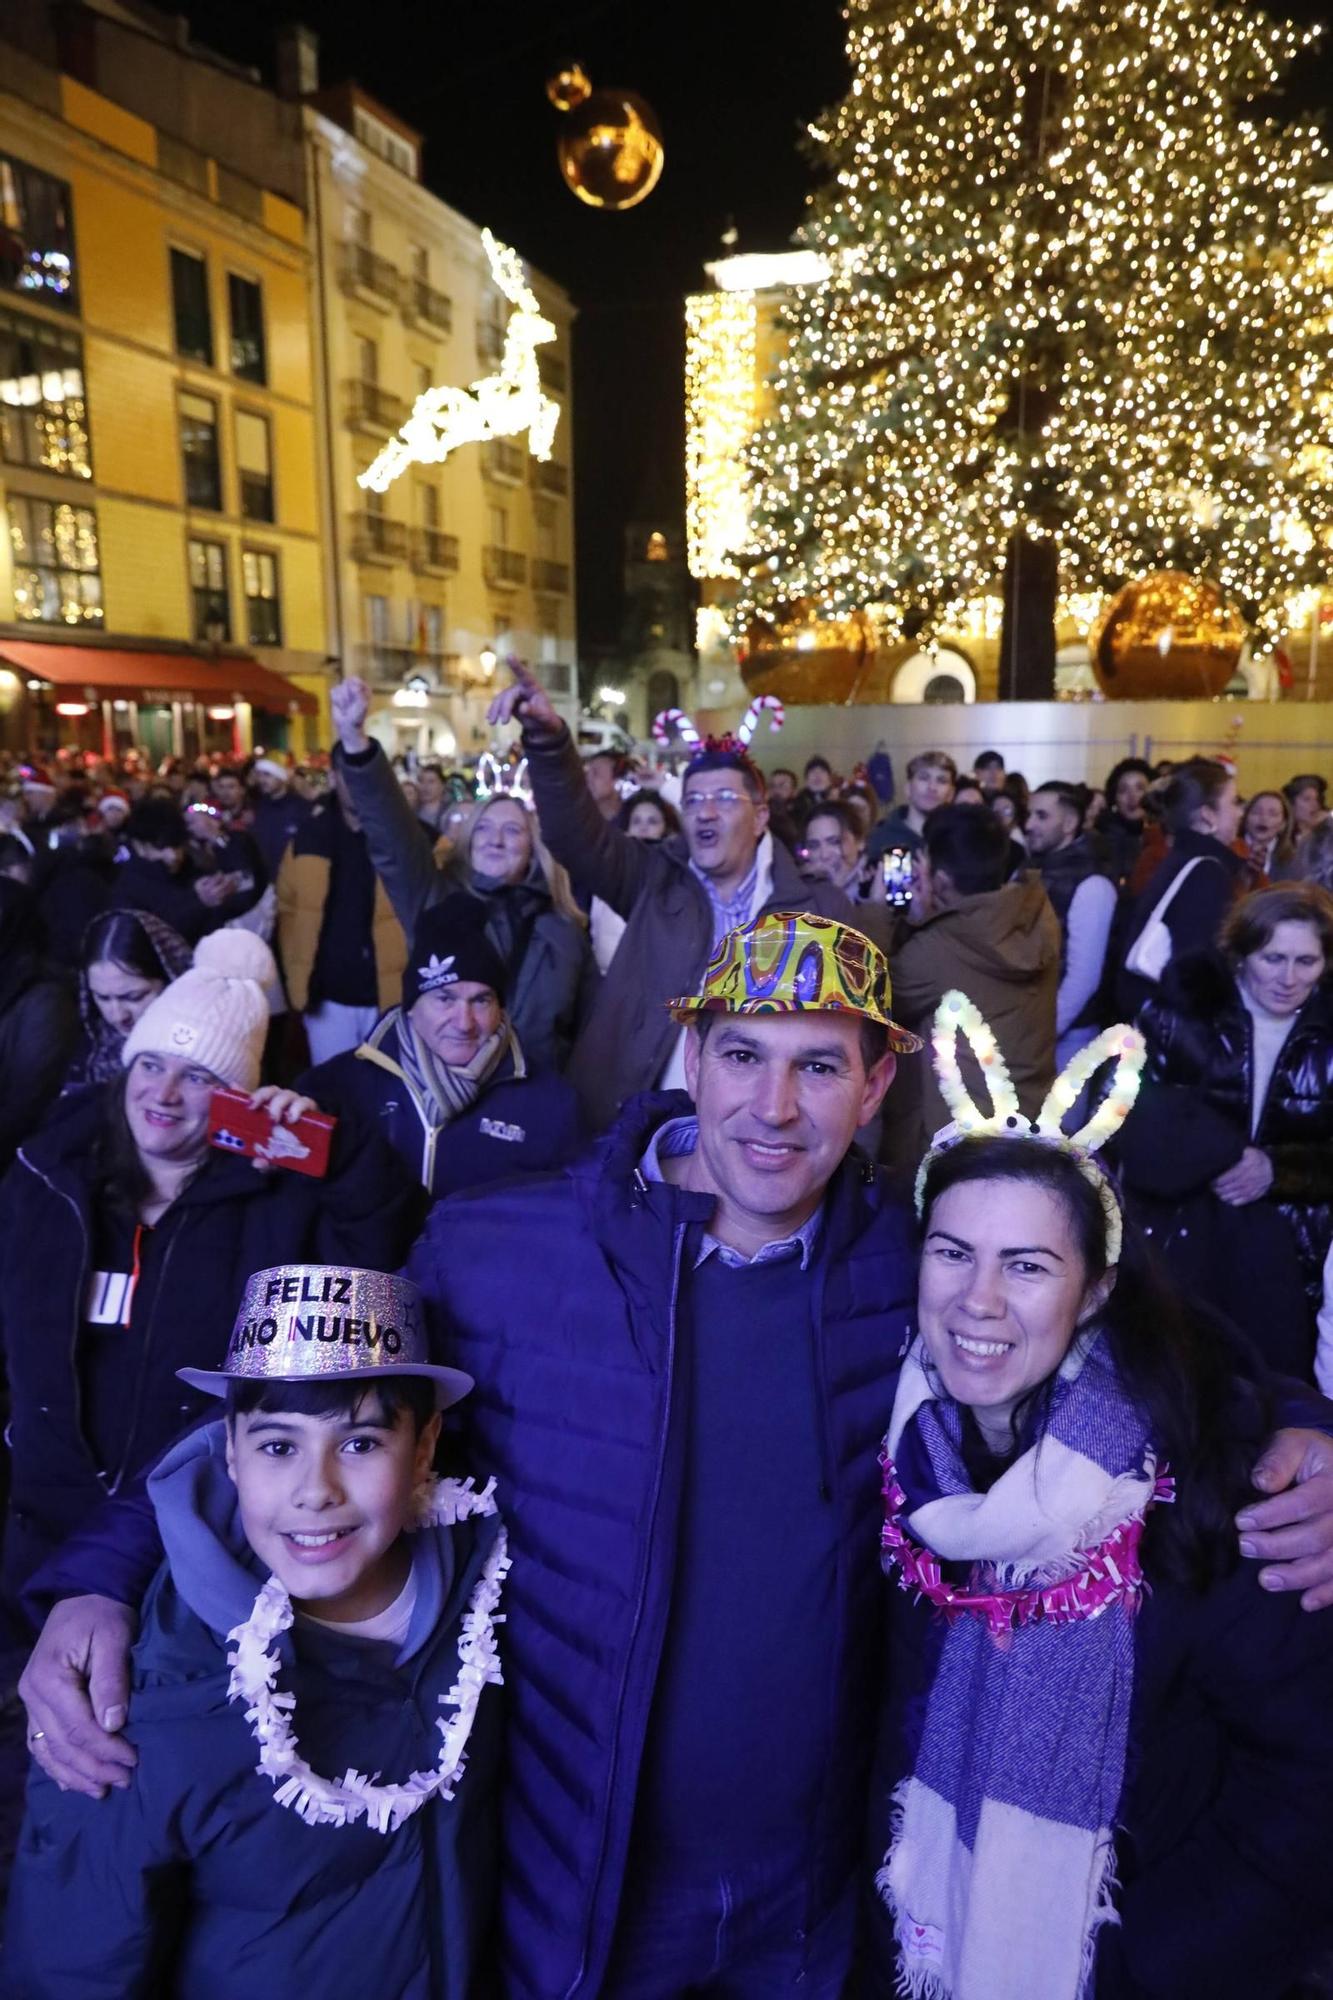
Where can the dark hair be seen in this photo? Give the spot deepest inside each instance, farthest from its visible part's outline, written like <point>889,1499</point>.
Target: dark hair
<point>157,822</point>
<point>727,760</point>
<point>1140,765</point>
<point>817,763</point>
<point>1302,783</point>
<point>836,809</point>
<point>117,937</point>
<point>968,785</point>
<point>1016,786</point>
<point>647,797</point>
<point>988,757</point>
<point>612,757</point>
<point>972,847</point>
<point>1251,924</point>
<point>1074,798</point>
<point>1207,1408</point>
<point>341,1397</point>
<point>1193,785</point>
<point>120,1180</point>
<point>782,772</point>
<point>874,1039</point>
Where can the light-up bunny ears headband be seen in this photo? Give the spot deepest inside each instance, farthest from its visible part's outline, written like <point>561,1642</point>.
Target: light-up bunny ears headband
<point>1122,1045</point>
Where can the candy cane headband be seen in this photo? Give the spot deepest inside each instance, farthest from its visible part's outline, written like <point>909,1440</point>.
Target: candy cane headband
<point>1123,1045</point>
<point>671,721</point>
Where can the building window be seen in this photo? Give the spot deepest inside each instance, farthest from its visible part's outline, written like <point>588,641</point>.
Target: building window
<point>245,302</point>
<point>43,415</point>
<point>254,466</point>
<point>367,360</point>
<point>208,591</point>
<point>425,379</point>
<point>36,234</point>
<point>199,450</point>
<point>358,226</point>
<point>263,614</point>
<point>499,527</point>
<point>419,258</point>
<point>189,303</point>
<point>432,629</point>
<point>428,505</point>
<point>57,570</point>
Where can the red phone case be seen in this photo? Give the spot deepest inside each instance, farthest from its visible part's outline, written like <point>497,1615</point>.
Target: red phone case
<point>235,1126</point>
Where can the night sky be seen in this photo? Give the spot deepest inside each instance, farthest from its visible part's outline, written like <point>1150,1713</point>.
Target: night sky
<point>732,81</point>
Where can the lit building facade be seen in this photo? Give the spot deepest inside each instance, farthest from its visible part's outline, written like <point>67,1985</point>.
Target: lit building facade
<point>433,580</point>
<point>161,571</point>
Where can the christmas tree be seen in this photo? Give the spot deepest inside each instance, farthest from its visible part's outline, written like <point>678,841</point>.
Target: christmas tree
<point>1076,324</point>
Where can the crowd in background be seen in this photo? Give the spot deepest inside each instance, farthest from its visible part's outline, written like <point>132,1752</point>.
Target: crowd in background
<point>475,988</point>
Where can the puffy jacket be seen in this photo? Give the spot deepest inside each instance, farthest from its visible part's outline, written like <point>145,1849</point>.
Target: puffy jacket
<point>336,925</point>
<point>1002,948</point>
<point>1200,1043</point>
<point>39,1031</point>
<point>520,1124</point>
<point>551,986</point>
<point>194,1884</point>
<point>1225,1820</point>
<point>558,1295</point>
<point>229,1221</point>
<point>1195,914</point>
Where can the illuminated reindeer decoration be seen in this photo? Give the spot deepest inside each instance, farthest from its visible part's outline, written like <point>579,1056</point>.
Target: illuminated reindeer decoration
<point>499,405</point>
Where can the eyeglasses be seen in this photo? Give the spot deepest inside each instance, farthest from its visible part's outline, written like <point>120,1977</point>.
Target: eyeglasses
<point>693,802</point>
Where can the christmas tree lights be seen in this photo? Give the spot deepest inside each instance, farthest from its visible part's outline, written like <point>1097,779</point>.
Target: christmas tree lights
<point>1078,289</point>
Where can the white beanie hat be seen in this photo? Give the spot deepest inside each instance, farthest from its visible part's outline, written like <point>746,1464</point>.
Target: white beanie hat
<point>214,1015</point>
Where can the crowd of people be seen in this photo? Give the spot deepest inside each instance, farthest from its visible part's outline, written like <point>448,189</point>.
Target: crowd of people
<point>604,1237</point>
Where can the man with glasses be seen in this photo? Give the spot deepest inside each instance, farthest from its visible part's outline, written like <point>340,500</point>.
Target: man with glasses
<point>678,897</point>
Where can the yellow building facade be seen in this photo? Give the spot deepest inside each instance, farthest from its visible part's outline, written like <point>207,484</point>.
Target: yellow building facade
<point>161,573</point>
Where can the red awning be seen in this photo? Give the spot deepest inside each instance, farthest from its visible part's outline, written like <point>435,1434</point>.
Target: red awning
<point>108,670</point>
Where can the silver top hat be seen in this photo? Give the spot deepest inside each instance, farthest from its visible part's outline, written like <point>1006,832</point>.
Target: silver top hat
<point>325,1323</point>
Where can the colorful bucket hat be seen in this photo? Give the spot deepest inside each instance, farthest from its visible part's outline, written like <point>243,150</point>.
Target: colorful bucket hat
<point>326,1322</point>
<point>789,963</point>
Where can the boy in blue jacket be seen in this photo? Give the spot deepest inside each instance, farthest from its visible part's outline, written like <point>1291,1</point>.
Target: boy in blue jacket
<point>325,1614</point>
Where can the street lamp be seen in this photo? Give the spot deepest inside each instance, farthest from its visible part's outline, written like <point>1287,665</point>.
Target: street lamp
<point>486,660</point>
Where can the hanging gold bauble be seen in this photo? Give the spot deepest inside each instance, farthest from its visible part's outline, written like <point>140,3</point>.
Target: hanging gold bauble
<point>1166,637</point>
<point>611,150</point>
<point>807,659</point>
<point>568,86</point>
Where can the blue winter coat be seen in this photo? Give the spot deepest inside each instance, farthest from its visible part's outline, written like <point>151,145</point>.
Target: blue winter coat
<point>229,1221</point>
<point>520,1123</point>
<point>194,1884</point>
<point>560,1299</point>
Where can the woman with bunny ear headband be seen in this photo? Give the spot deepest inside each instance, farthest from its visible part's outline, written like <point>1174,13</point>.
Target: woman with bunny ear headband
<point>1083,1711</point>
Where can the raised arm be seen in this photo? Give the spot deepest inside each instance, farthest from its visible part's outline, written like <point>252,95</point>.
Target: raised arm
<point>400,848</point>
<point>599,857</point>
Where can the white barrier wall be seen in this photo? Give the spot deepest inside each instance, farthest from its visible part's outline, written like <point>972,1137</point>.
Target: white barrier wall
<point>1080,741</point>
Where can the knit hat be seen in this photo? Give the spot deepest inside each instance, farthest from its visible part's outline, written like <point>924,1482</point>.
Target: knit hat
<point>215,1015</point>
<point>450,944</point>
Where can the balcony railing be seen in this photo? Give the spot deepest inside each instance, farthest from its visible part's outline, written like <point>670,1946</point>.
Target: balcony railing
<point>371,408</point>
<point>490,340</point>
<point>548,477</point>
<point>362,270</point>
<point>502,461</point>
<point>434,550</point>
<point>503,567</point>
<point>552,576</point>
<point>375,538</point>
<point>382,664</point>
<point>554,373</point>
<point>421,302</point>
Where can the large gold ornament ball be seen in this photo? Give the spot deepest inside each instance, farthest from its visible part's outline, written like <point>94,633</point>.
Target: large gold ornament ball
<point>1167,637</point>
<point>568,86</point>
<point>611,150</point>
<point>809,659</point>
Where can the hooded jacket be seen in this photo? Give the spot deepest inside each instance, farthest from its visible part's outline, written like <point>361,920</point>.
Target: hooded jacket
<point>194,1884</point>
<point>577,1411</point>
<point>229,1221</point>
<point>520,1124</point>
<point>98,1058</point>
<point>1001,948</point>
<point>552,975</point>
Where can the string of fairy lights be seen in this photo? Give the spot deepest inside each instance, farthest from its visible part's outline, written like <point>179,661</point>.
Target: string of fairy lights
<point>1078,285</point>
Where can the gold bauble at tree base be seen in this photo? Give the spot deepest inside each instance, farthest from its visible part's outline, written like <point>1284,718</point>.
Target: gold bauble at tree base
<point>568,86</point>
<point>611,150</point>
<point>1166,637</point>
<point>810,661</point>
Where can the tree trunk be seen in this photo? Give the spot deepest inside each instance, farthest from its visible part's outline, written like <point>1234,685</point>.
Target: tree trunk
<point>1027,630</point>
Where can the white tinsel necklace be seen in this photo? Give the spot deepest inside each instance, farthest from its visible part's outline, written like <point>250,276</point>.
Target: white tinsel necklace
<point>340,1801</point>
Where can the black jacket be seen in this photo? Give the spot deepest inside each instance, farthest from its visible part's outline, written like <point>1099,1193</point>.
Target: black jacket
<point>1262,1264</point>
<point>1195,915</point>
<point>230,1221</point>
